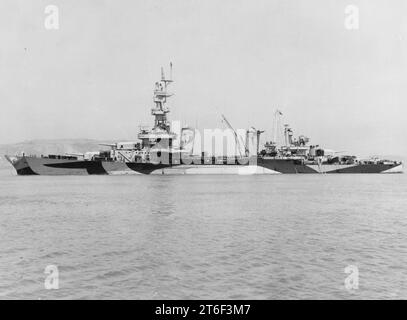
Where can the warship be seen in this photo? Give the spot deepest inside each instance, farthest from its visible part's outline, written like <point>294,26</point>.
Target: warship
<point>164,149</point>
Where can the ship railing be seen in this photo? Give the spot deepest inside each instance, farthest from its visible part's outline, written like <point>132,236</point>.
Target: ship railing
<point>145,128</point>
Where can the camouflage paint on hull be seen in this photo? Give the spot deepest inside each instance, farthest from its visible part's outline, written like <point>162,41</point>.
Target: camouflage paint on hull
<point>46,166</point>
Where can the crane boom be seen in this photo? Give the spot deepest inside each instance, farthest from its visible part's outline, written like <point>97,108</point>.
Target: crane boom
<point>238,142</point>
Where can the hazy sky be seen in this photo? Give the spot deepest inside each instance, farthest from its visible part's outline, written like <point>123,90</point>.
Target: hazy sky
<point>94,76</point>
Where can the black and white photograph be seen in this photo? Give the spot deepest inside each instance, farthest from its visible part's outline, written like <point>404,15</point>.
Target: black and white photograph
<point>203,150</point>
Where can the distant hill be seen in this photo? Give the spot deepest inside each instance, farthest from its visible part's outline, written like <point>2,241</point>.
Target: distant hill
<point>57,146</point>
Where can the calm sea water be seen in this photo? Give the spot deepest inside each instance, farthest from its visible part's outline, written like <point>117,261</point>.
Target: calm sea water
<point>209,237</point>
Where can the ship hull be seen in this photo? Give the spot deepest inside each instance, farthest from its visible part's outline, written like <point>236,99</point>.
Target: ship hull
<point>45,166</point>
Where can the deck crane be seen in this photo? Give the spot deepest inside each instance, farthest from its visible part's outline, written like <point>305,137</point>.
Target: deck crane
<point>239,143</point>
<point>276,124</point>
